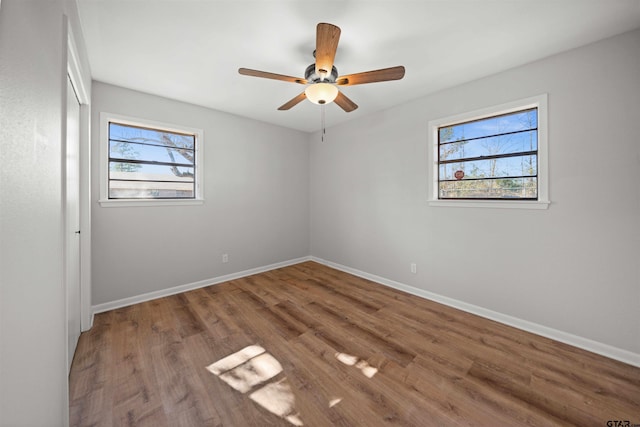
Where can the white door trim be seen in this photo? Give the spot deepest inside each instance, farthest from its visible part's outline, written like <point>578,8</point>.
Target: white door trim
<point>74,70</point>
<point>72,220</point>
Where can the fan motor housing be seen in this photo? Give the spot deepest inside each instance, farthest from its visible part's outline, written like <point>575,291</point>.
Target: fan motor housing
<point>312,77</point>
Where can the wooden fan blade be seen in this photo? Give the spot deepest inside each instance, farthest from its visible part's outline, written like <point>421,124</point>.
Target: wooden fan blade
<point>266,75</point>
<point>383,75</point>
<point>345,103</point>
<point>327,37</point>
<point>295,101</point>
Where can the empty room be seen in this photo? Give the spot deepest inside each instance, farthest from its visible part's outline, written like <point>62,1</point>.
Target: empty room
<point>339,213</point>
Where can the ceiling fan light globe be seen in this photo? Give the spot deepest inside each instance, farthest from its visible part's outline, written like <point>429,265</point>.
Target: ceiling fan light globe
<point>321,93</point>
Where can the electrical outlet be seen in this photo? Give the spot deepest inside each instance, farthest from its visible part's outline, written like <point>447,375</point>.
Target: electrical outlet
<point>225,257</point>
<point>413,268</point>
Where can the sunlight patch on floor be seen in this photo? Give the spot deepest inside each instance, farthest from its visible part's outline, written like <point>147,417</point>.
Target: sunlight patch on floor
<point>333,402</point>
<point>278,399</point>
<point>350,360</point>
<point>252,372</point>
<point>235,359</point>
<point>244,370</point>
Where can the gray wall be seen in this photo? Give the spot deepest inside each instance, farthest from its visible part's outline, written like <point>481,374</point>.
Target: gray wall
<point>33,341</point>
<point>573,267</point>
<point>256,208</point>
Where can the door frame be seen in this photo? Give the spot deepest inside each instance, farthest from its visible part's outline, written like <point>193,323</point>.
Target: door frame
<point>75,73</point>
<point>71,208</point>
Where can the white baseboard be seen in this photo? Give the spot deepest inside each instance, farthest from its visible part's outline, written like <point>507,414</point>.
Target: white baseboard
<point>574,340</point>
<point>112,305</point>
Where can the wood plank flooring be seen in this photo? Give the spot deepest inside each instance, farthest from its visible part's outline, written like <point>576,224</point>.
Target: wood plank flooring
<point>331,349</point>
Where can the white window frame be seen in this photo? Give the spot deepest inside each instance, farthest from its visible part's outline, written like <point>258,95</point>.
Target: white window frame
<point>539,102</point>
<point>105,119</point>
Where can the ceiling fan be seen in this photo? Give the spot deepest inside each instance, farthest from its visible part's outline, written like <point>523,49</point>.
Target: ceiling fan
<point>322,77</point>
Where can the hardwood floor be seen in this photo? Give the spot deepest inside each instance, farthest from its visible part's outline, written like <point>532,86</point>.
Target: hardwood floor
<point>317,347</point>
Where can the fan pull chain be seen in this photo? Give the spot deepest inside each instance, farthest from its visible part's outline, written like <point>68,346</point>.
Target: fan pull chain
<point>322,123</point>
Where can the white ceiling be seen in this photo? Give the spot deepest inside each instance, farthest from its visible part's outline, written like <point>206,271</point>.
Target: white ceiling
<point>191,50</point>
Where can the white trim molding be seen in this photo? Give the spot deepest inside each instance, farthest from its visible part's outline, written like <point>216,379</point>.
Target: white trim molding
<point>564,337</point>
<point>100,308</point>
<point>75,72</point>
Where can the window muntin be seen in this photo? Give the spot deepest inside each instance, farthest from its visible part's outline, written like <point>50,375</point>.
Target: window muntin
<point>489,158</point>
<point>150,163</point>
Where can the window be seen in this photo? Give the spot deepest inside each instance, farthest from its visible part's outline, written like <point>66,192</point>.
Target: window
<point>495,157</point>
<point>148,162</point>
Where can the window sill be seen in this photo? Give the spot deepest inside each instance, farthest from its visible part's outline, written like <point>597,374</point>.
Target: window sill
<point>136,203</point>
<point>500,204</point>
